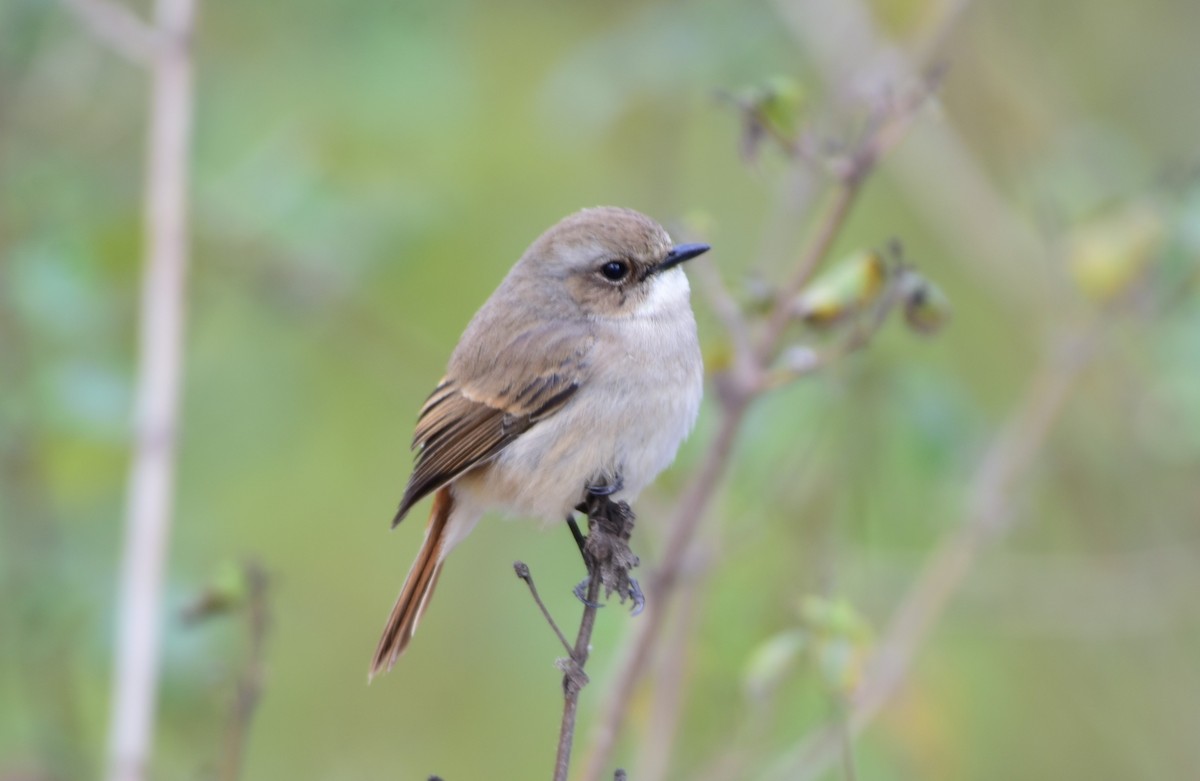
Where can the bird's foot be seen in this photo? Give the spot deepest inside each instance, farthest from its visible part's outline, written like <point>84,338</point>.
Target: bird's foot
<point>635,594</point>
<point>606,487</point>
<point>580,592</point>
<point>607,552</point>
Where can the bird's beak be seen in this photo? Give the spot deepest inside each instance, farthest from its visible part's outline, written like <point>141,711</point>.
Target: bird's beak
<point>680,253</point>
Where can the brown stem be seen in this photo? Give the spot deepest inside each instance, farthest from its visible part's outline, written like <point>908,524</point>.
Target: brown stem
<point>574,678</point>
<point>522,570</point>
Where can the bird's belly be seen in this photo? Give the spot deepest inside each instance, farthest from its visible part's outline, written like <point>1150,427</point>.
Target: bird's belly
<point>616,431</point>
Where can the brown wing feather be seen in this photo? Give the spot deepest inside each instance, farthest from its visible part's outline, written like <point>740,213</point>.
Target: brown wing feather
<point>469,419</point>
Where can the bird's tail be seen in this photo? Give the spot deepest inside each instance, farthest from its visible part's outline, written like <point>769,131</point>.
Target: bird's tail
<point>418,586</point>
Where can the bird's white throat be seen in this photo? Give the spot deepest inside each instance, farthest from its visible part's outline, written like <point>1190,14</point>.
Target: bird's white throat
<point>669,291</point>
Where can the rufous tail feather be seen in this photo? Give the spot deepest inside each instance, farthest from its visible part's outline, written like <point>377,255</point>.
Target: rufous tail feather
<point>418,587</point>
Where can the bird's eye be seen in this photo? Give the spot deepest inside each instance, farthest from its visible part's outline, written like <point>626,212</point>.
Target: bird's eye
<point>615,270</point>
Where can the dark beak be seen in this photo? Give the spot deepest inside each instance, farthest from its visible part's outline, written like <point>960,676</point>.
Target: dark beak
<point>680,253</point>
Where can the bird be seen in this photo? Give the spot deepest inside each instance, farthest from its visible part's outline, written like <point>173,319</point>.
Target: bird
<point>581,371</point>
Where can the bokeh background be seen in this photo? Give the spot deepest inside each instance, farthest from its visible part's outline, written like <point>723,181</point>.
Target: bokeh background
<point>365,173</point>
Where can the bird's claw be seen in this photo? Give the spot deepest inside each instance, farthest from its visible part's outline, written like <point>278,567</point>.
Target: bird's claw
<point>607,488</point>
<point>580,592</point>
<point>639,599</point>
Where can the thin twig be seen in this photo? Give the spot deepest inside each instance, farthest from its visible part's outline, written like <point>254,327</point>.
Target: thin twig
<point>151,479</point>
<point>522,570</point>
<point>609,560</point>
<point>118,28</point>
<point>574,678</point>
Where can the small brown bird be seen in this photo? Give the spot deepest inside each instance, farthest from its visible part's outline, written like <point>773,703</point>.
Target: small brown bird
<point>582,369</point>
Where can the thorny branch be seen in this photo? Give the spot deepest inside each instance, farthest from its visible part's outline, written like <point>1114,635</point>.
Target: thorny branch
<point>747,379</point>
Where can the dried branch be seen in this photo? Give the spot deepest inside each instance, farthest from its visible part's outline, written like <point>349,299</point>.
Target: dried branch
<point>606,552</point>
<point>522,570</point>
<point>151,479</point>
<point>574,678</point>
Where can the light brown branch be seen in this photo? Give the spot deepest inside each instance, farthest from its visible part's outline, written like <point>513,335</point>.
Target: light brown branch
<point>608,557</point>
<point>574,678</point>
<point>151,478</point>
<point>120,29</point>
<point>522,570</point>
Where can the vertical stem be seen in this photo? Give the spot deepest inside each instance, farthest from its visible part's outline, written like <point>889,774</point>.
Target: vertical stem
<point>574,678</point>
<point>151,477</point>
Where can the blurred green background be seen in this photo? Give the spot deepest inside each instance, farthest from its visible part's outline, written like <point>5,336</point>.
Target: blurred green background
<point>365,173</point>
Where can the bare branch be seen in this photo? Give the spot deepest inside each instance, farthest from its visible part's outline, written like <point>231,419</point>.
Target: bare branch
<point>120,29</point>
<point>609,559</point>
<point>522,570</point>
<point>574,678</point>
<point>151,479</point>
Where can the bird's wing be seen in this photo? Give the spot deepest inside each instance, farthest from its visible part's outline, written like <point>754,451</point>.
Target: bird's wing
<point>487,401</point>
